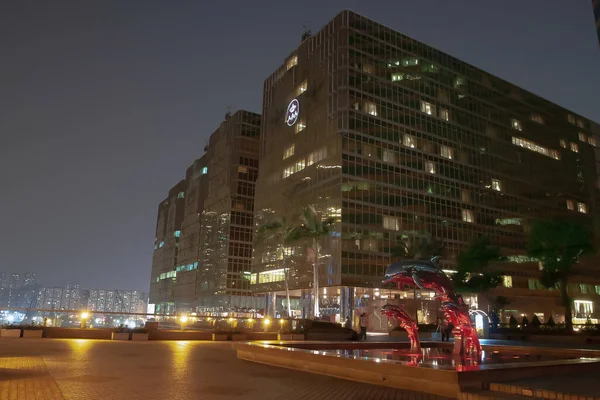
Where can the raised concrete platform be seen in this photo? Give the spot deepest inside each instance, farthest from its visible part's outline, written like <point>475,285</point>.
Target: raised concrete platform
<point>438,380</point>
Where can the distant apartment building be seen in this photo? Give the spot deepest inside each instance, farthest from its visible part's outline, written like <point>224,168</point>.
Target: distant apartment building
<point>18,289</point>
<point>125,301</point>
<point>396,140</point>
<point>204,229</point>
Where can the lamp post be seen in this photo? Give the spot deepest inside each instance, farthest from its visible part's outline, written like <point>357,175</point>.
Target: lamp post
<point>183,319</point>
<point>84,316</point>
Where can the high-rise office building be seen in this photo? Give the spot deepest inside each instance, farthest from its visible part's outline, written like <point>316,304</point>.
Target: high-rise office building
<point>397,140</point>
<point>204,231</point>
<point>166,249</point>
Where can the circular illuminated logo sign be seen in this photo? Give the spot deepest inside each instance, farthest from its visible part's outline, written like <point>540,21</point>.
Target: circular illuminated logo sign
<point>293,109</point>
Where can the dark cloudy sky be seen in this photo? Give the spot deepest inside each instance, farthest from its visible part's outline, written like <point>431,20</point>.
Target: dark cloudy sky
<point>103,104</point>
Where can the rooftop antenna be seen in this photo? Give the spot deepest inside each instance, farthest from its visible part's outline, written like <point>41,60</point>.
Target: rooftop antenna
<point>306,32</point>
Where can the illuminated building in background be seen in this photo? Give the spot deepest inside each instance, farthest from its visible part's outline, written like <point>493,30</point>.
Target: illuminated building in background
<point>397,140</point>
<point>204,232</point>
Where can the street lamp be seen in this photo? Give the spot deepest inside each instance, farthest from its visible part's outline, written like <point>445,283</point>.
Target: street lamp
<point>84,316</point>
<point>183,319</point>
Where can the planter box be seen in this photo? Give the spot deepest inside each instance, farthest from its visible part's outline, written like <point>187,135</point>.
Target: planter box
<point>285,336</point>
<point>14,333</point>
<point>139,336</point>
<point>219,337</point>
<point>239,337</point>
<point>298,336</point>
<point>32,333</point>
<point>120,336</point>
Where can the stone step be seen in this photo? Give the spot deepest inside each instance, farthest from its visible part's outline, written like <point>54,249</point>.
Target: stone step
<point>491,395</point>
<point>526,392</point>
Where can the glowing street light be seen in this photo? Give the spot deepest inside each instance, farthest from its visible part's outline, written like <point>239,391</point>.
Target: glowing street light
<point>84,316</point>
<point>183,319</point>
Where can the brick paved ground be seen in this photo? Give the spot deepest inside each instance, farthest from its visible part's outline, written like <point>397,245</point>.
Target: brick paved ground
<point>89,369</point>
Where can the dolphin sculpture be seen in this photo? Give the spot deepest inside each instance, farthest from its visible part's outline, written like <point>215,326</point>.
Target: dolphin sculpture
<point>406,323</point>
<point>427,275</point>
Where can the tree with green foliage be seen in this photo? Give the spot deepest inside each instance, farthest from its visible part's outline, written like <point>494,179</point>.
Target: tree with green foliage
<point>559,245</point>
<point>313,226</point>
<point>525,322</point>
<point>280,233</point>
<point>474,272</point>
<point>512,322</point>
<point>535,322</point>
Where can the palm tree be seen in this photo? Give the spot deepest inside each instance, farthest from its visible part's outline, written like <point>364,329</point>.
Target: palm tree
<point>313,226</point>
<point>280,232</point>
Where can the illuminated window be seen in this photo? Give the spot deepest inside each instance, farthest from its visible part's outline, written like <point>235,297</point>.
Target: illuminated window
<point>582,208</point>
<point>467,216</point>
<point>459,81</point>
<point>397,77</point>
<point>516,124</point>
<point>302,88</point>
<point>180,195</point>
<point>253,279</point>
<point>570,205</point>
<point>496,185</point>
<point>592,141</point>
<point>429,167</point>
<point>177,233</point>
<point>508,221</point>
<point>582,137</point>
<point>299,127</point>
<point>447,152</point>
<point>391,223</point>
<point>370,108</point>
<point>563,143</point>
<point>316,156</point>
<point>243,169</point>
<point>292,62</point>
<point>580,123</point>
<point>161,244</point>
<point>407,62</point>
<point>571,119</point>
<point>427,108</point>
<point>584,307</point>
<point>517,141</point>
<point>277,275</point>
<point>444,114</point>
<point>204,170</point>
<point>507,281</point>
<point>574,147</point>
<point>409,141</point>
<point>289,151</point>
<point>537,118</point>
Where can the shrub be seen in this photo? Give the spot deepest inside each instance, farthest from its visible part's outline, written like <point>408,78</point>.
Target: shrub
<point>551,322</point>
<point>525,322</point>
<point>512,322</point>
<point>535,322</point>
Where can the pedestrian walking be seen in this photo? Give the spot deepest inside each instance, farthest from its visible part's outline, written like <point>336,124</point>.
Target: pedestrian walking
<point>363,326</point>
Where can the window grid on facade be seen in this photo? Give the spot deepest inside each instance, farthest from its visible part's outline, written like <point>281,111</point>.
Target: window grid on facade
<point>467,216</point>
<point>582,208</point>
<point>535,147</point>
<point>516,124</point>
<point>447,152</point>
<point>427,108</point>
<point>574,147</point>
<point>496,185</point>
<point>289,151</point>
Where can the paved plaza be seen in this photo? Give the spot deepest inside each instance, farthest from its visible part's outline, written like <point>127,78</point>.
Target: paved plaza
<point>94,369</point>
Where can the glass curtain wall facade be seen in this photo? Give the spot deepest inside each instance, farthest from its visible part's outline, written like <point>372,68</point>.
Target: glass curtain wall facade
<point>398,140</point>
<point>227,221</point>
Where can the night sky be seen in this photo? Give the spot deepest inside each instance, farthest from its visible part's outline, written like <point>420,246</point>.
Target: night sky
<point>103,104</point>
